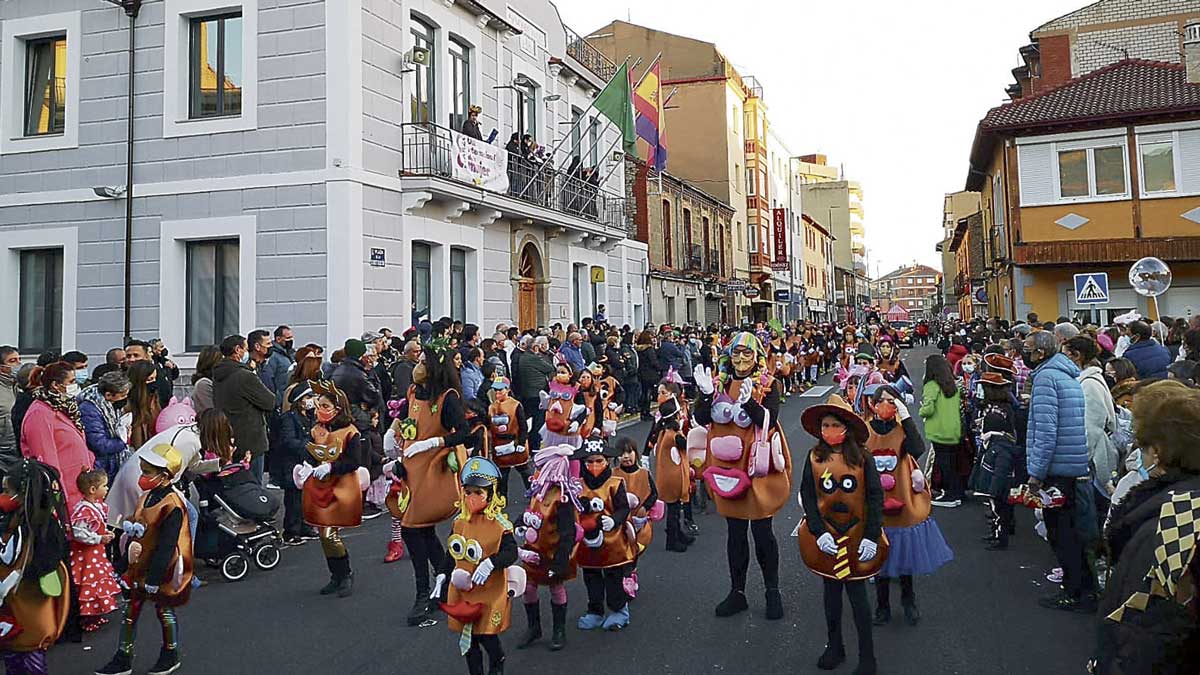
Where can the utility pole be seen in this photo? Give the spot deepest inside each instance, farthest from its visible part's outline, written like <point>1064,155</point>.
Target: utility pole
<point>131,7</point>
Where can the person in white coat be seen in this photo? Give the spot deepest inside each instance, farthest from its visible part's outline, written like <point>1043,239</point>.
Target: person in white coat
<point>1100,416</point>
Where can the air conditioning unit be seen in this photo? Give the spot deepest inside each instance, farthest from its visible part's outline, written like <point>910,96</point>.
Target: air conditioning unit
<point>418,56</point>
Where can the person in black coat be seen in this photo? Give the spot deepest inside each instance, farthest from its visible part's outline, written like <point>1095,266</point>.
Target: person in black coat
<point>650,371</point>
<point>240,394</point>
<point>295,432</point>
<point>470,126</point>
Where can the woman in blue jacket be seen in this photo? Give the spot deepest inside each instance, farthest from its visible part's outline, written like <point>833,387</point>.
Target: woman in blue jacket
<point>100,407</point>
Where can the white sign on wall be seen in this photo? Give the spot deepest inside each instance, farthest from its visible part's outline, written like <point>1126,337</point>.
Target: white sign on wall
<point>479,163</point>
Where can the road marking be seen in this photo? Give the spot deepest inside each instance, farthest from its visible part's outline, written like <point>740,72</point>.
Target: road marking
<point>816,392</point>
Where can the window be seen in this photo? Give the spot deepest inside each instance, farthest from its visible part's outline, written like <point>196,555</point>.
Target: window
<point>708,252</point>
<point>998,199</point>
<point>737,177</point>
<point>460,83</point>
<point>423,89</point>
<point>594,140</point>
<point>526,106</point>
<point>215,66</point>
<point>1091,172</point>
<point>1158,167</point>
<point>458,284</point>
<point>40,307</point>
<point>752,237</point>
<point>421,278</point>
<point>576,133</point>
<point>576,292</point>
<point>750,185</point>
<point>687,235</point>
<point>666,221</point>
<point>734,117</point>
<point>212,297</point>
<point>45,86</point>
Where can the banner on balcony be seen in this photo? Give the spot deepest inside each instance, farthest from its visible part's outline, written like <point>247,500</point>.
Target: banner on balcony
<point>480,163</point>
<point>781,252</point>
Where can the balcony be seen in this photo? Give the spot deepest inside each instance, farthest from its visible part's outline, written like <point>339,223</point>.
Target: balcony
<point>435,167</point>
<point>694,258</point>
<point>588,56</point>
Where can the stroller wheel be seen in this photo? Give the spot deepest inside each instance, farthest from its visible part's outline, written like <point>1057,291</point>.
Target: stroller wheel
<point>267,556</point>
<point>234,567</point>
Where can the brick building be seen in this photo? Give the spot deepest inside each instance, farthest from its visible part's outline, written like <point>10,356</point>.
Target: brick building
<point>910,287</point>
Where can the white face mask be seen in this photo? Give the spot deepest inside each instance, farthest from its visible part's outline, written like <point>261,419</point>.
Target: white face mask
<point>73,389</point>
<point>968,367</point>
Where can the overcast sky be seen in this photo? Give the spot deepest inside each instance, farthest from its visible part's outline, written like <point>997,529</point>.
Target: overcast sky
<point>891,91</point>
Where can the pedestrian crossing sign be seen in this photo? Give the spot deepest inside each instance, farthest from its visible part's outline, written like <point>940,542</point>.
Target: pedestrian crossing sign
<point>1091,288</point>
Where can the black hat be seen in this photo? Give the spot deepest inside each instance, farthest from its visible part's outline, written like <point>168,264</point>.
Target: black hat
<point>596,445</point>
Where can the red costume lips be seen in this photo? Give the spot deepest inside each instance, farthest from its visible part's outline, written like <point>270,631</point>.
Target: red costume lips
<point>463,611</point>
<point>727,483</point>
<point>892,506</point>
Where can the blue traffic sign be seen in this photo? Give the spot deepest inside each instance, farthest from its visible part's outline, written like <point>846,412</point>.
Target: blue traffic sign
<point>1091,288</point>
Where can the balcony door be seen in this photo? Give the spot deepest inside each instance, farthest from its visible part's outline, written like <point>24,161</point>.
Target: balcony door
<point>529,272</point>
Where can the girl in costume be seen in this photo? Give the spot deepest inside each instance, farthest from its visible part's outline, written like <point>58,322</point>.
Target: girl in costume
<point>506,425</point>
<point>332,480</point>
<point>158,542</point>
<point>431,428</point>
<point>999,429</point>
<point>588,395</point>
<point>891,367</point>
<point>34,583</point>
<point>915,541</point>
<point>480,567</point>
<point>90,568</point>
<point>548,535</point>
<point>748,467</point>
<point>612,398</point>
<point>609,544</point>
<point>849,347</point>
<point>841,536</point>
<point>645,507</point>
<point>564,416</point>
<point>673,473</point>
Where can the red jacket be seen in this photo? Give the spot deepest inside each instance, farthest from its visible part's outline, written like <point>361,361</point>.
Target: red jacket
<point>956,354</point>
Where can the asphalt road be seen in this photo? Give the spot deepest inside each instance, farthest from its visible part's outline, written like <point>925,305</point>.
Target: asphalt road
<point>980,611</point>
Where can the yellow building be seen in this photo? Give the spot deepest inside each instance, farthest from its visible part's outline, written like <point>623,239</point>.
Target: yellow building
<point>818,269</point>
<point>1090,177</point>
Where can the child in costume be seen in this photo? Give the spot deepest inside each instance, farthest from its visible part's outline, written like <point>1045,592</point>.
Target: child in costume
<point>748,467</point>
<point>849,347</point>
<point>915,541</point>
<point>480,567</point>
<point>34,582</point>
<point>999,429</point>
<point>506,425</point>
<point>548,535</point>
<point>609,544</point>
<point>673,473</point>
<point>588,395</point>
<point>612,397</point>
<point>90,568</point>
<point>332,480</point>
<point>158,541</point>
<point>645,507</point>
<point>892,367</point>
<point>565,416</point>
<point>841,537</point>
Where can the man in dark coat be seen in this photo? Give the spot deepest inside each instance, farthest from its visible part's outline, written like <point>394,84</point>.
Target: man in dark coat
<point>240,394</point>
<point>402,371</point>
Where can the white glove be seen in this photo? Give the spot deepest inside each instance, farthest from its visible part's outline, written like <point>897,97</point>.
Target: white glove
<point>421,446</point>
<point>704,379</point>
<point>322,471</point>
<point>613,406</point>
<point>389,443</point>
<point>389,467</point>
<point>909,400</point>
<point>827,545</point>
<point>902,409</point>
<point>133,529</point>
<point>484,570</point>
<point>746,390</point>
<point>645,462</point>
<point>867,550</point>
<point>607,523</point>
<point>543,399</point>
<point>437,587</point>
<point>150,588</point>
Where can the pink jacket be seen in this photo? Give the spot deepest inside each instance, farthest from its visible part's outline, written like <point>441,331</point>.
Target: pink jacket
<point>50,437</point>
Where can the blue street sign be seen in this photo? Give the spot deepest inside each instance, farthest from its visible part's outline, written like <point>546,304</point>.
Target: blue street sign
<point>1091,288</point>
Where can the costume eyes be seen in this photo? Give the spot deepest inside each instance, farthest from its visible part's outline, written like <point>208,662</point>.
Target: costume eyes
<point>474,551</point>
<point>319,453</point>
<point>457,546</point>
<point>595,505</point>
<point>722,413</point>
<point>849,483</point>
<point>740,417</point>
<point>562,395</point>
<point>828,485</point>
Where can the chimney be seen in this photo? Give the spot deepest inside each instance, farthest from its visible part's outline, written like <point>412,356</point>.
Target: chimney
<point>1191,51</point>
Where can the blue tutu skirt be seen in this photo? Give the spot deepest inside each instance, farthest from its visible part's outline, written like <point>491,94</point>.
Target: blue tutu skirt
<point>915,550</point>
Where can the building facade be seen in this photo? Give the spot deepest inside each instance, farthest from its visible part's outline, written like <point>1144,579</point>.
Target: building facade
<point>839,204</point>
<point>299,163</point>
<point>909,287</point>
<point>955,207</point>
<point>817,263</point>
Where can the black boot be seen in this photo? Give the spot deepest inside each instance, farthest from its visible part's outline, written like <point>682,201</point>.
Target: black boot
<point>690,531</point>
<point>908,598</point>
<point>331,587</point>
<point>168,662</point>
<point>345,585</point>
<point>883,604</point>
<point>734,603</point>
<point>475,661</point>
<point>774,604</point>
<point>675,540</point>
<point>558,635</point>
<point>496,667</point>
<point>419,611</point>
<point>833,656</point>
<point>533,614</point>
<point>120,664</point>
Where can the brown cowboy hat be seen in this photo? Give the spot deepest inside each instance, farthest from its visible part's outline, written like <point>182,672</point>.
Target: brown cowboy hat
<point>995,379</point>
<point>811,418</point>
<point>999,362</point>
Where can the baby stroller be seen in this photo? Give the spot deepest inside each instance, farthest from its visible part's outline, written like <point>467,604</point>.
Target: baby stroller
<point>235,523</point>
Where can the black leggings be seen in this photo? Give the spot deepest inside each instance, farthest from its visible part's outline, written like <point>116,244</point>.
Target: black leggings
<point>883,591</point>
<point>766,549</point>
<point>946,460</point>
<point>490,644</point>
<point>857,592</point>
<point>605,587</point>
<point>426,551</point>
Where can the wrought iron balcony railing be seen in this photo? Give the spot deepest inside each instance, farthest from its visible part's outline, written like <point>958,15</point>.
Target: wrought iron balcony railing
<point>587,55</point>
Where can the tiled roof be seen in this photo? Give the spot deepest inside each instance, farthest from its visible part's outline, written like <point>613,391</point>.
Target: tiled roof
<point>1130,88</point>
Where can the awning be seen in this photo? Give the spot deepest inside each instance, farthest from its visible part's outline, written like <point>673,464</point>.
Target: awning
<point>897,313</point>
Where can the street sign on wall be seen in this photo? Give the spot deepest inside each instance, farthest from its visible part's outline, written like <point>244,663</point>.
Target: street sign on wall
<point>750,292</point>
<point>783,296</point>
<point>1091,288</point>
<point>779,217</point>
<point>378,257</point>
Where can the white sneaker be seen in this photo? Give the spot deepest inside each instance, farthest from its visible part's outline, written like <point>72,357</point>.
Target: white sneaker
<point>947,503</point>
<point>1055,576</point>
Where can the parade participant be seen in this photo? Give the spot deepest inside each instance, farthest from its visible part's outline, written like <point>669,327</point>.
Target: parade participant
<point>509,434</point>
<point>431,427</point>
<point>158,541</point>
<point>673,474</point>
<point>563,414</point>
<point>480,568</point>
<point>612,397</point>
<point>891,367</point>
<point>609,544</point>
<point>332,479</point>
<point>645,507</point>
<point>841,537</point>
<point>548,537</point>
<point>849,346</point>
<point>916,544</point>
<point>809,351</point>
<point>748,466</point>
<point>996,425</point>
<point>587,394</point>
<point>34,582</point>
<point>90,568</point>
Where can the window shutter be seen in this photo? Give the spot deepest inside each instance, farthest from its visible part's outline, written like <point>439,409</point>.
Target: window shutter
<point>1037,180</point>
<point>1189,160</point>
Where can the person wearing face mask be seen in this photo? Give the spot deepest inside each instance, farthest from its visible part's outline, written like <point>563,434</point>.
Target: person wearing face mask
<point>841,537</point>
<point>159,542</point>
<point>478,575</point>
<point>10,361</point>
<point>295,432</point>
<point>100,409</point>
<point>645,507</point>
<point>240,394</point>
<point>941,408</point>
<point>280,359</point>
<point>1149,626</point>
<point>917,544</point>
<point>608,546</point>
<point>143,401</point>
<point>52,431</point>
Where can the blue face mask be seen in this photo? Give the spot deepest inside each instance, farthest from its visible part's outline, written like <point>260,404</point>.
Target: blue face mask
<point>81,376</point>
<point>246,357</point>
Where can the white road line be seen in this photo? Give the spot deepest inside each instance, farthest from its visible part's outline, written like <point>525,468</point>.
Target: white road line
<point>816,392</point>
